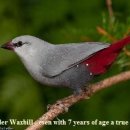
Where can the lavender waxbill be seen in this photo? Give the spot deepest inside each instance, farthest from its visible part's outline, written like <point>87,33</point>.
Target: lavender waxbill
<point>70,65</point>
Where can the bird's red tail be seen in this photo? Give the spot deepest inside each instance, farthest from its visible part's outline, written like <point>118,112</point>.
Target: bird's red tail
<point>100,61</point>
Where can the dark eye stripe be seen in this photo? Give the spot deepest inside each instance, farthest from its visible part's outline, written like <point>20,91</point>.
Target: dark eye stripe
<point>18,44</point>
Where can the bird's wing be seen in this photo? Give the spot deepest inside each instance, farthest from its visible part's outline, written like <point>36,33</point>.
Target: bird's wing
<point>65,56</point>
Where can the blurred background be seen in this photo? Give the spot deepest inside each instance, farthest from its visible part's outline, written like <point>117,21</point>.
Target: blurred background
<point>63,21</point>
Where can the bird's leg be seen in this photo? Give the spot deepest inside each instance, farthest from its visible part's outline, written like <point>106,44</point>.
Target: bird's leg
<point>88,90</point>
<point>77,91</point>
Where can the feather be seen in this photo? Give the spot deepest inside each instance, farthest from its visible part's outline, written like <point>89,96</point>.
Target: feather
<point>65,56</point>
<point>103,59</point>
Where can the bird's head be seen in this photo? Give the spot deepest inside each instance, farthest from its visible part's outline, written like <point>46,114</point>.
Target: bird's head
<point>24,45</point>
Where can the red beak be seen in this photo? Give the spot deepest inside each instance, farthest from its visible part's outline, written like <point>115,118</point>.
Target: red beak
<point>8,46</point>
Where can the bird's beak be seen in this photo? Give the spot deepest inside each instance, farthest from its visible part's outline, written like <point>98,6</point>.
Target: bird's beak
<point>8,45</point>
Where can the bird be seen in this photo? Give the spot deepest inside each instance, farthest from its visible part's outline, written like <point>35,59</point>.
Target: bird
<point>71,65</point>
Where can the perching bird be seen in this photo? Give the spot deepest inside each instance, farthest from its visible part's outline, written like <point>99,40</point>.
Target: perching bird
<point>71,65</point>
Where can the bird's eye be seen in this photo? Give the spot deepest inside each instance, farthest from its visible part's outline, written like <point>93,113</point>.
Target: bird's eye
<point>18,44</point>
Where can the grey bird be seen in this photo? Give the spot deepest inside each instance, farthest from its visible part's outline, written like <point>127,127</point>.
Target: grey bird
<point>56,65</point>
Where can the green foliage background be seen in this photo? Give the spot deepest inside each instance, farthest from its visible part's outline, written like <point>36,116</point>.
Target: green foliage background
<point>61,21</point>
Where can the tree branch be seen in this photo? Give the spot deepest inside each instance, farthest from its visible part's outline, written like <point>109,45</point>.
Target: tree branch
<point>110,11</point>
<point>61,105</point>
<point>109,6</point>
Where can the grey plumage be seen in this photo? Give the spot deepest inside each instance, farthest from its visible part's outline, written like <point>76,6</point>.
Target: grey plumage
<point>57,65</point>
<point>65,56</point>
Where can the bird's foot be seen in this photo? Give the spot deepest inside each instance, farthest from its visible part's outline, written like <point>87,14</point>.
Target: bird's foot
<point>88,91</point>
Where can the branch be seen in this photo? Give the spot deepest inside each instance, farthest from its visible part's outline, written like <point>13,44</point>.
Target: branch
<point>60,106</point>
<point>110,10</point>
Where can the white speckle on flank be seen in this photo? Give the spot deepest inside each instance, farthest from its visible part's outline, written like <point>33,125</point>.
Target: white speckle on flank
<point>77,65</point>
<point>91,74</point>
<point>87,64</point>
